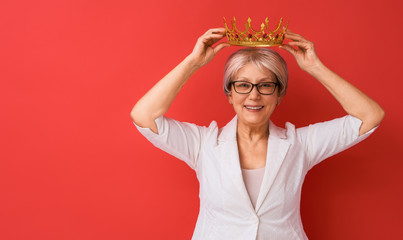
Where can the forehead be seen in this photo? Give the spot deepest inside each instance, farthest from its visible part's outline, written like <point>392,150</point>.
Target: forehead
<point>252,72</point>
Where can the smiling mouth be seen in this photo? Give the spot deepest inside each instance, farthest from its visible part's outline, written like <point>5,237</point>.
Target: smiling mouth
<point>253,108</point>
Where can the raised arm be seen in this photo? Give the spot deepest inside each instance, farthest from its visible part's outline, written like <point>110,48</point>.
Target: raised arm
<point>354,102</point>
<point>159,98</point>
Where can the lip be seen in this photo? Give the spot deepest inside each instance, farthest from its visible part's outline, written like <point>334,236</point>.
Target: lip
<point>253,108</point>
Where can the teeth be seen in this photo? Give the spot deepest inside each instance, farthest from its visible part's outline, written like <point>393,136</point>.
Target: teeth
<point>254,108</point>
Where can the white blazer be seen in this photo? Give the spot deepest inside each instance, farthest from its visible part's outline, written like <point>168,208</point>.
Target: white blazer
<point>226,211</point>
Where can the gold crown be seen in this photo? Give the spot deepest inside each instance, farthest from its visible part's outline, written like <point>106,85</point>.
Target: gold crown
<point>253,38</point>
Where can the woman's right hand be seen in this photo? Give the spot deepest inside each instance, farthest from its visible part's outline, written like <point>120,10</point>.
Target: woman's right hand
<point>158,99</point>
<point>204,51</point>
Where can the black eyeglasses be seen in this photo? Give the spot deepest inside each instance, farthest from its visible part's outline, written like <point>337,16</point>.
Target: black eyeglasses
<point>264,88</point>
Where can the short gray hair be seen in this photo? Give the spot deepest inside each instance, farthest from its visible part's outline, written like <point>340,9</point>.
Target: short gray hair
<point>263,58</point>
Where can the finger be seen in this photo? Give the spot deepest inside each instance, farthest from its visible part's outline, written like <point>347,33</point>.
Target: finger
<point>220,46</point>
<point>292,33</point>
<point>212,38</point>
<point>294,37</point>
<point>218,30</point>
<point>289,49</point>
<point>215,35</point>
<point>303,45</point>
<point>289,31</point>
<point>215,30</point>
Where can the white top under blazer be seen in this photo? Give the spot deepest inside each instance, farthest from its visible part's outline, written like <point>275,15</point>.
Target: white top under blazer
<point>252,179</point>
<point>226,211</point>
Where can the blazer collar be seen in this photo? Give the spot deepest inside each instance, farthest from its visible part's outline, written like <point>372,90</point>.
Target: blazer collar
<point>227,150</point>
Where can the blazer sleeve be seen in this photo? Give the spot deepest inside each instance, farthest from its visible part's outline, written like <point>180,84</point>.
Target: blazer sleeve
<point>325,139</point>
<point>180,139</point>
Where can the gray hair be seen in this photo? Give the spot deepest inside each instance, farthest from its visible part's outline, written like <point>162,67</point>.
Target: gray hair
<point>263,58</point>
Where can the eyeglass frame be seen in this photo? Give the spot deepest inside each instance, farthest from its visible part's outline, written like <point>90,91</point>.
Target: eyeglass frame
<point>255,85</point>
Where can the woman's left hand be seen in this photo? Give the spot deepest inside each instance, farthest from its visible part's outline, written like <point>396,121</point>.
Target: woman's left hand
<point>305,53</point>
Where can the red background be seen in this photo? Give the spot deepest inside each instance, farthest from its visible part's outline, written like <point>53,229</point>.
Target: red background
<point>73,166</point>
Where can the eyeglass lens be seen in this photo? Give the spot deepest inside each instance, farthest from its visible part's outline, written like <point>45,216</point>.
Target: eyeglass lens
<point>246,87</point>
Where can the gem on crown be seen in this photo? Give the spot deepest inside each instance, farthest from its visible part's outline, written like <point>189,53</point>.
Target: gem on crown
<point>253,38</point>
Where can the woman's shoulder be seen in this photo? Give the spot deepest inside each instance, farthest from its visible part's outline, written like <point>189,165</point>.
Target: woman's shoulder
<point>282,132</point>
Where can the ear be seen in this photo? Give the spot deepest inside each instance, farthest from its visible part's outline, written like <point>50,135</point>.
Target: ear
<point>279,98</point>
<point>229,96</point>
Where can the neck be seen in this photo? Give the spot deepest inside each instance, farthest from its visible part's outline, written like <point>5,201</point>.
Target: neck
<point>252,133</point>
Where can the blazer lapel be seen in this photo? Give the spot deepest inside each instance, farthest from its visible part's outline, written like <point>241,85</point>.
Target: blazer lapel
<point>277,149</point>
<point>227,151</point>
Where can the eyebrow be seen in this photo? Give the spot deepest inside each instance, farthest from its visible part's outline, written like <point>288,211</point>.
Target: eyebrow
<point>266,79</point>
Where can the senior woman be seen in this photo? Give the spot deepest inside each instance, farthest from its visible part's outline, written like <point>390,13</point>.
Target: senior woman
<point>250,171</point>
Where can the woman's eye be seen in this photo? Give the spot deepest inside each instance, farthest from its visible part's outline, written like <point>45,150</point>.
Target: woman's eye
<point>242,85</point>
<point>267,85</point>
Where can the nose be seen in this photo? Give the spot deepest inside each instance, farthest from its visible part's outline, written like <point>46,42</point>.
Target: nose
<point>254,94</point>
